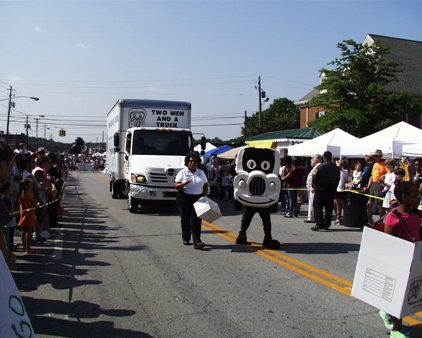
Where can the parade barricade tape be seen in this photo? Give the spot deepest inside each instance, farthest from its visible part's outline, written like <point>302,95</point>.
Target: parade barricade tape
<point>38,206</point>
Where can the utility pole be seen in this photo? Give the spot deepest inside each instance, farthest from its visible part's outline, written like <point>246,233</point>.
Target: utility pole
<point>260,105</point>
<point>8,114</point>
<point>244,129</point>
<point>26,128</point>
<point>36,130</point>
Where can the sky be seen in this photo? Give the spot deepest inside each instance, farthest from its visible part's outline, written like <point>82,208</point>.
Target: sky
<point>80,57</point>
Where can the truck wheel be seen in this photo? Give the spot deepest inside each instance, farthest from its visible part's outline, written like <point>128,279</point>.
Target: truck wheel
<point>133,204</point>
<point>114,190</point>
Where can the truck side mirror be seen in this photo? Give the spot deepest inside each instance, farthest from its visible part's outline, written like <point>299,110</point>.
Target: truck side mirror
<point>116,140</point>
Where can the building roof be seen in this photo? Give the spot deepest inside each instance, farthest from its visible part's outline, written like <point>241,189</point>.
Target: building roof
<point>407,53</point>
<point>313,93</point>
<point>304,133</point>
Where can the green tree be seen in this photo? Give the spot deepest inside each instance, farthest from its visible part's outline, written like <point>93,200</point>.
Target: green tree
<point>353,93</point>
<point>281,114</point>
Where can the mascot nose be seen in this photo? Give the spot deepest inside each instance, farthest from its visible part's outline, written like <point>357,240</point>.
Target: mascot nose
<point>257,186</point>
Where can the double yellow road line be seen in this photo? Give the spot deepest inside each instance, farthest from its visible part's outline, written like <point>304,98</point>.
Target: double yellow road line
<point>321,276</point>
<point>311,272</point>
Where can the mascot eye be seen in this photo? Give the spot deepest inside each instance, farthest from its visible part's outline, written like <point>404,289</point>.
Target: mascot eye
<point>251,164</point>
<point>265,165</point>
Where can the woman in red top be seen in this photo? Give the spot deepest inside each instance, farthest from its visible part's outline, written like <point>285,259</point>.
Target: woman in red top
<point>28,219</point>
<point>406,212</point>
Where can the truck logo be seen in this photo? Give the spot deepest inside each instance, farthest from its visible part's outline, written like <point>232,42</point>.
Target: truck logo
<point>137,118</point>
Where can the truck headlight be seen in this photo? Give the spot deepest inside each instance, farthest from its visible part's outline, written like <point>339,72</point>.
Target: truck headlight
<point>138,178</point>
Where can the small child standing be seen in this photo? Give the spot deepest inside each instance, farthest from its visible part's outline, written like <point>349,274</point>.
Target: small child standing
<point>357,175</point>
<point>404,222</point>
<point>28,221</point>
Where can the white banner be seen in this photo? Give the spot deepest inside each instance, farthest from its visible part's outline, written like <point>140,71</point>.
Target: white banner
<point>14,321</point>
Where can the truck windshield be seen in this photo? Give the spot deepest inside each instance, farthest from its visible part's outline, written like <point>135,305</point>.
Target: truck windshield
<point>163,142</point>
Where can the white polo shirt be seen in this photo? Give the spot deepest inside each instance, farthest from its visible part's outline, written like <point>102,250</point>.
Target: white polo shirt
<point>198,180</point>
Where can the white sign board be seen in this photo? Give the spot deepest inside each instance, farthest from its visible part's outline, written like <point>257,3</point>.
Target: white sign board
<point>14,321</point>
<point>157,118</point>
<point>207,209</point>
<point>389,273</point>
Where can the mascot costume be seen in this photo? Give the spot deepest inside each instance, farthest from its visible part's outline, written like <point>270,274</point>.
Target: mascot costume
<point>257,187</point>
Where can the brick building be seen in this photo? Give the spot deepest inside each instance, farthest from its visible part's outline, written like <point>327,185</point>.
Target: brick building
<point>407,53</point>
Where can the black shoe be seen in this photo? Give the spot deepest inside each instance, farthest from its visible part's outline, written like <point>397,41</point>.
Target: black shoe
<point>308,221</point>
<point>199,245</point>
<point>186,243</point>
<point>318,228</point>
<point>271,244</point>
<point>241,239</point>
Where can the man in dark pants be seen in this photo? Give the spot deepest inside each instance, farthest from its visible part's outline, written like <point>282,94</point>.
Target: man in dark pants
<point>325,181</point>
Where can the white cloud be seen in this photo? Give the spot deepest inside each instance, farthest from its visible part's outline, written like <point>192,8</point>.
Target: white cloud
<point>37,29</point>
<point>83,45</point>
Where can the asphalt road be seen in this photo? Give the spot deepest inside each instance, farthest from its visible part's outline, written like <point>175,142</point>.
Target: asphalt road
<point>111,273</point>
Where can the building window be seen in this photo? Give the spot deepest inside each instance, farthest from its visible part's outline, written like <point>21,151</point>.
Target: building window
<point>319,114</point>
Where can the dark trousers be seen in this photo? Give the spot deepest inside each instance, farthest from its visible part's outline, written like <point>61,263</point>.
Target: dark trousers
<point>53,213</point>
<point>9,233</point>
<point>191,224</point>
<point>247,216</point>
<point>324,199</point>
<point>293,209</point>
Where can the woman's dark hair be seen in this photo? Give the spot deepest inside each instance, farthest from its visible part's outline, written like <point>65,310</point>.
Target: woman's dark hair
<point>403,189</point>
<point>193,155</point>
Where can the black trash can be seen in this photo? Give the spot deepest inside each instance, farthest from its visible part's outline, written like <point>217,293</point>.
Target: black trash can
<point>354,213</point>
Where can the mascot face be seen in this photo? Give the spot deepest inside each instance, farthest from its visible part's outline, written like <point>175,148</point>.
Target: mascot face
<point>256,183</point>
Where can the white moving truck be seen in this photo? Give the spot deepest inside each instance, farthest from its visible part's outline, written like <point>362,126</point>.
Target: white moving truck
<point>147,142</point>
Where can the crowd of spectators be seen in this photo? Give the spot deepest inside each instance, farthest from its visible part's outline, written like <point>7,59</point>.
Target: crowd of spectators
<point>31,193</point>
<point>372,175</point>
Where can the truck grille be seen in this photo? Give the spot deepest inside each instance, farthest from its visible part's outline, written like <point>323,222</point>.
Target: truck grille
<point>257,186</point>
<point>158,178</point>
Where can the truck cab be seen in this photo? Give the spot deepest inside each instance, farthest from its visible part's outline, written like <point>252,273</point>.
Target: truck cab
<point>151,162</point>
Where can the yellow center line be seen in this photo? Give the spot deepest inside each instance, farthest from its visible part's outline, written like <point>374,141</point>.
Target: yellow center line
<point>280,258</point>
<point>287,261</point>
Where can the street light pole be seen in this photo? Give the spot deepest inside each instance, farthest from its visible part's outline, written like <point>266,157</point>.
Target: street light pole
<point>9,109</point>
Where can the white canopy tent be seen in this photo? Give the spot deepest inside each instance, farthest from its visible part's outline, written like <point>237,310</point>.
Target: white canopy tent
<point>332,141</point>
<point>412,150</point>
<point>390,141</point>
<point>208,147</point>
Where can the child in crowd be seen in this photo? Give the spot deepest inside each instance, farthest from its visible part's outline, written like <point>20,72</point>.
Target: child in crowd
<point>28,221</point>
<point>357,175</point>
<point>404,222</point>
<point>41,213</point>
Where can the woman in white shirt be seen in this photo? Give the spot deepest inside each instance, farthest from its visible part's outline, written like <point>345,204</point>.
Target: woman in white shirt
<point>191,183</point>
<point>344,178</point>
